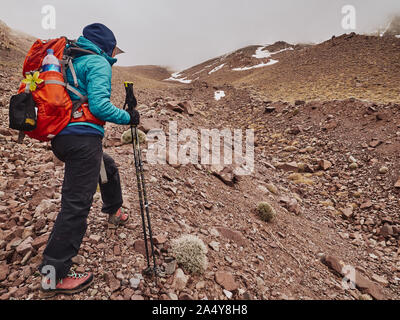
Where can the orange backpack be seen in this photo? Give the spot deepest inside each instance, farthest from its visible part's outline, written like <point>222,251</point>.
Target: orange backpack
<point>43,107</point>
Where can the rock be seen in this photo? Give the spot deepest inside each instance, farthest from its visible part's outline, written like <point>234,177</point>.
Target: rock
<point>299,102</point>
<point>112,282</point>
<point>397,184</point>
<point>367,286</point>
<point>139,246</point>
<point>365,205</point>
<point>383,170</point>
<point>295,131</point>
<point>137,297</point>
<point>170,265</point>
<point>149,124</point>
<point>291,204</point>
<point>324,165</point>
<point>174,106</point>
<point>159,239</point>
<point>272,188</point>
<point>25,246</point>
<point>180,280</point>
<point>353,166</point>
<point>225,174</point>
<point>172,296</point>
<point>40,241</point>
<point>386,230</point>
<point>363,284</point>
<point>347,212</point>
<point>374,143</point>
<point>134,282</point>
<point>214,245</point>
<point>269,109</point>
<point>185,296</point>
<point>380,280</point>
<point>94,238</point>
<point>46,206</point>
<point>334,263</point>
<point>233,235</point>
<point>4,271</point>
<point>80,260</point>
<point>187,107</point>
<point>226,280</point>
<point>227,293</point>
<point>291,166</point>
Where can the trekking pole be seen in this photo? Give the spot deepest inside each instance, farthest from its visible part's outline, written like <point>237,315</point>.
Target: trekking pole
<point>131,102</point>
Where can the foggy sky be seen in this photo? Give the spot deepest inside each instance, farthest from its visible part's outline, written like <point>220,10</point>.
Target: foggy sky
<point>183,33</point>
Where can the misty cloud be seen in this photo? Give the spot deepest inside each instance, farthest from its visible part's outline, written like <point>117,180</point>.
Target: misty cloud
<point>182,33</point>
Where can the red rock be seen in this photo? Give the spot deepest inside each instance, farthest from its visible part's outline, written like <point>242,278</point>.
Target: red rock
<point>112,282</point>
<point>291,166</point>
<point>233,235</point>
<point>225,174</point>
<point>40,241</point>
<point>375,143</point>
<point>187,107</point>
<point>139,246</point>
<point>367,204</point>
<point>159,239</point>
<point>174,106</point>
<point>334,263</point>
<point>117,250</point>
<point>347,212</point>
<point>149,124</point>
<point>25,246</point>
<point>138,297</point>
<point>4,271</point>
<point>324,164</point>
<point>397,184</point>
<point>367,286</point>
<point>226,280</point>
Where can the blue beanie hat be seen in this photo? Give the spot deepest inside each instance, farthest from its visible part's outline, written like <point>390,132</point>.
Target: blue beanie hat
<point>101,36</point>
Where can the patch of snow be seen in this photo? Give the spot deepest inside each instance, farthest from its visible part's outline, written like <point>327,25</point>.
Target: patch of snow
<point>261,54</point>
<point>217,68</point>
<point>269,63</point>
<point>219,94</point>
<point>398,36</point>
<point>176,77</point>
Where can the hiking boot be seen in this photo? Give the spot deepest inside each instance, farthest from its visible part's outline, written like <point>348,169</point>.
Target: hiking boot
<point>72,283</point>
<point>118,218</point>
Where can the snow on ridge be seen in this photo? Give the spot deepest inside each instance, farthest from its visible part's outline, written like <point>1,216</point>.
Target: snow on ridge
<point>261,54</point>
<point>219,94</point>
<point>217,68</point>
<point>269,63</point>
<point>175,77</point>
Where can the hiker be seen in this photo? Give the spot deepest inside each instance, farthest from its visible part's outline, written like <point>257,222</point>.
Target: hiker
<point>79,146</point>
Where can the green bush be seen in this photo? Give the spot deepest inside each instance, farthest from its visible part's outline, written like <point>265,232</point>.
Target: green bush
<point>126,137</point>
<point>265,211</point>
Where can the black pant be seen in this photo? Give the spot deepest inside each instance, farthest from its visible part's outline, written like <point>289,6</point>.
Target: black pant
<point>82,156</point>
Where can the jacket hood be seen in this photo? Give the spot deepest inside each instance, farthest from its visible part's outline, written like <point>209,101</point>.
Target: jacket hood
<point>84,43</point>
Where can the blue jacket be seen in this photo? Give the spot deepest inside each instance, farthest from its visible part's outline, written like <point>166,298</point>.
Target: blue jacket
<point>94,80</point>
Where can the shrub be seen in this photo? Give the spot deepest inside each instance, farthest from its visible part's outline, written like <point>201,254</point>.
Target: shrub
<point>126,137</point>
<point>190,252</point>
<point>265,211</point>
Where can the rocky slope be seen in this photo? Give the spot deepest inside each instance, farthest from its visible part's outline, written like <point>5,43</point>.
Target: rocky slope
<point>329,169</point>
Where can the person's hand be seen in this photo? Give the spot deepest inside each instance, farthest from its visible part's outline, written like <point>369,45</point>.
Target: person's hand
<point>135,117</point>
